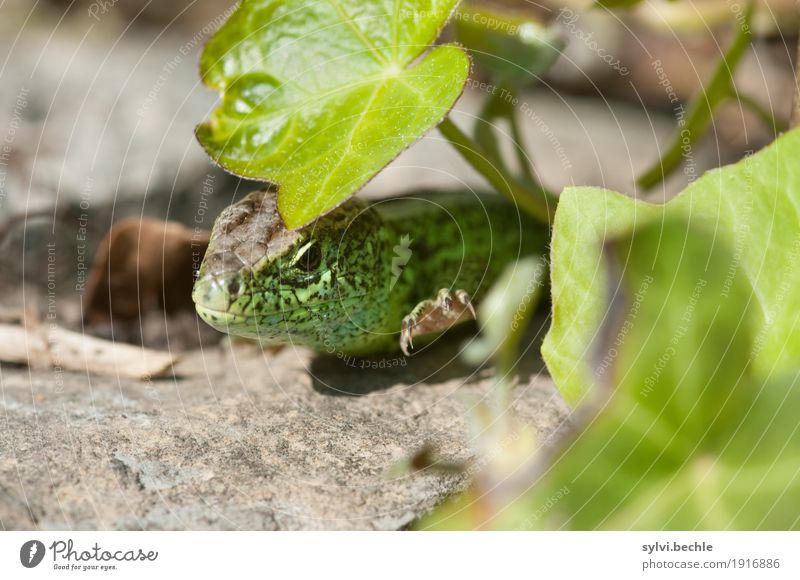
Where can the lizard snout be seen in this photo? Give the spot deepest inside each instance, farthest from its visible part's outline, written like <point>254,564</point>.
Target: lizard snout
<point>217,293</point>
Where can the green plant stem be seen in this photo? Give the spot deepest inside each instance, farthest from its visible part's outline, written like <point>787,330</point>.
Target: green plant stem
<point>536,201</point>
<point>766,116</point>
<point>519,145</point>
<point>701,110</point>
<point>485,133</point>
<point>498,105</point>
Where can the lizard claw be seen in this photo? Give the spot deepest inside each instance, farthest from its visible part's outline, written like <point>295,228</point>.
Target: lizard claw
<point>435,315</point>
<point>406,338</point>
<point>444,300</point>
<point>465,299</point>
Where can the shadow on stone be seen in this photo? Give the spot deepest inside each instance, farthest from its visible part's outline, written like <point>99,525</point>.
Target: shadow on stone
<point>342,375</point>
<point>436,362</point>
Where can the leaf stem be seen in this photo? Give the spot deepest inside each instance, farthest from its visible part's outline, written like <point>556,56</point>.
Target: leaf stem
<point>701,110</point>
<point>484,132</point>
<point>536,201</point>
<point>763,114</point>
<point>498,106</point>
<point>519,145</point>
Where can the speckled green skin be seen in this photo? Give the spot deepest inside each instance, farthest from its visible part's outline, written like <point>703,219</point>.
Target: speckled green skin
<point>376,261</point>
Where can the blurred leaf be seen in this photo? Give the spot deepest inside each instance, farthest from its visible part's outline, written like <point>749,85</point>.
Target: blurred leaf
<point>689,435</point>
<point>505,456</point>
<point>505,311</point>
<point>751,206</point>
<point>690,438</point>
<point>319,96</point>
<point>514,48</point>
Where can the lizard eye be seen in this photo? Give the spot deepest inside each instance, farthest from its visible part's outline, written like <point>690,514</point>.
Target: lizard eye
<point>233,289</point>
<point>311,259</point>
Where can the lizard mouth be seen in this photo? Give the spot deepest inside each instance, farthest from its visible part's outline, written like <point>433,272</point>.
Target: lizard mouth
<point>214,299</point>
<point>225,321</point>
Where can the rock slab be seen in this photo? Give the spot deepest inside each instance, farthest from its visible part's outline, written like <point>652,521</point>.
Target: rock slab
<point>243,438</point>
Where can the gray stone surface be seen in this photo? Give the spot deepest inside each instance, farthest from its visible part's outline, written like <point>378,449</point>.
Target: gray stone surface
<point>94,114</point>
<point>242,439</point>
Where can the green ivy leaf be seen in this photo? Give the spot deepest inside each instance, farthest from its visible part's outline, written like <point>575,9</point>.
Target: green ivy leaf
<point>691,437</point>
<point>318,96</point>
<point>752,206</point>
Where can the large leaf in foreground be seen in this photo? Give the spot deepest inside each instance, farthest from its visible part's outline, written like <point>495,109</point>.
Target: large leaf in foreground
<point>318,96</point>
<point>752,206</point>
<point>689,435</point>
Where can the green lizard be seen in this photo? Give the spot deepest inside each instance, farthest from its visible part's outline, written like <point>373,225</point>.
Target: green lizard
<point>358,277</point>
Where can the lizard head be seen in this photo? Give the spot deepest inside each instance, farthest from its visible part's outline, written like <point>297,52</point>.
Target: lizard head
<point>261,280</point>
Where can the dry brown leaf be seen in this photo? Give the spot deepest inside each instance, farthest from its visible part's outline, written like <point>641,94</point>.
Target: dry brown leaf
<point>143,265</point>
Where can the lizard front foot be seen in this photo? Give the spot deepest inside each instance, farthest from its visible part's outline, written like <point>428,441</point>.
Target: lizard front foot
<point>436,315</point>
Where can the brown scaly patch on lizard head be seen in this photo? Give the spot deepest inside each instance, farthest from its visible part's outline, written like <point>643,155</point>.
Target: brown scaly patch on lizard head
<point>244,233</point>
